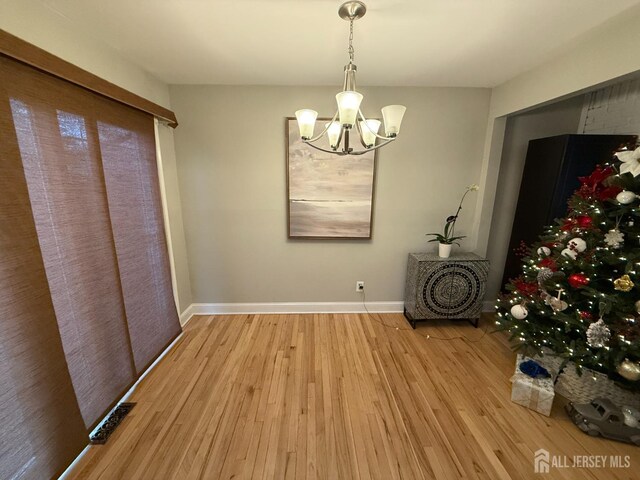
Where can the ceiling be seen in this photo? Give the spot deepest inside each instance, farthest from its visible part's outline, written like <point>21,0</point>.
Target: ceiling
<point>478,43</point>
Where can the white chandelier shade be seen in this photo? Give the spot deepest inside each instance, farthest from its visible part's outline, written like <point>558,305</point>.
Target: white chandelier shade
<point>349,114</point>
<point>369,129</point>
<point>392,115</point>
<point>333,132</point>
<point>348,106</point>
<point>306,122</point>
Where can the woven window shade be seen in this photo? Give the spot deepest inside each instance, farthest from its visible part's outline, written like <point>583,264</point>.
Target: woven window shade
<point>91,176</point>
<point>41,429</point>
<point>127,145</point>
<point>56,131</point>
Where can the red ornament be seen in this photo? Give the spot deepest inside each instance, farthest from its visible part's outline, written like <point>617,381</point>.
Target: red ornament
<point>584,221</point>
<point>577,280</point>
<point>586,315</point>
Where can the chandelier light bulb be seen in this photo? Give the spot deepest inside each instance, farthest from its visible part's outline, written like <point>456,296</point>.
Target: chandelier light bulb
<point>333,132</point>
<point>306,122</point>
<point>369,129</point>
<point>348,106</point>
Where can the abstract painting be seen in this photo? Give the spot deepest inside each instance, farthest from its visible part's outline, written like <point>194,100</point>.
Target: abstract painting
<point>328,196</point>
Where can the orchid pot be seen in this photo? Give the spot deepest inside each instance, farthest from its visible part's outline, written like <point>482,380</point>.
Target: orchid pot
<point>444,250</point>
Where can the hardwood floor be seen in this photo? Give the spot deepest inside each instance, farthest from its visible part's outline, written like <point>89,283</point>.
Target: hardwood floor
<point>339,396</point>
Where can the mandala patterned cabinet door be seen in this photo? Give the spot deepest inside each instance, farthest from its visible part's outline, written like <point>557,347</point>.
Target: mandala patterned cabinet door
<point>444,287</point>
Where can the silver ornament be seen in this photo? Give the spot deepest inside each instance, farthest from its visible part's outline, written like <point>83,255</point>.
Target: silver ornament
<point>629,370</point>
<point>626,197</point>
<point>598,334</point>
<point>614,238</point>
<point>631,416</point>
<point>544,274</point>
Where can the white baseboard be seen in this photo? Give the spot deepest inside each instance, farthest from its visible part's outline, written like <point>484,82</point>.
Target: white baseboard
<point>288,307</point>
<point>297,307</point>
<point>186,315</point>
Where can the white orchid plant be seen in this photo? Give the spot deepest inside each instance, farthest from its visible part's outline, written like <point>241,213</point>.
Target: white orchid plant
<point>448,236</point>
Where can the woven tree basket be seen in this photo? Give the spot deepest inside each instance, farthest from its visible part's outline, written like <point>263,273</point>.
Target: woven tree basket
<point>584,388</point>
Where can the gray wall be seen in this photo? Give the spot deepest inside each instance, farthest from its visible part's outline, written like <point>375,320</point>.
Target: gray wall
<point>557,119</point>
<point>231,150</point>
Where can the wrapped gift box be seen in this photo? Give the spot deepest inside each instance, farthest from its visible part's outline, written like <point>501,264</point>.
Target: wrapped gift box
<point>534,393</point>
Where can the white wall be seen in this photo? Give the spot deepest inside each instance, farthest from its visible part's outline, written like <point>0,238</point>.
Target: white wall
<point>31,21</point>
<point>231,147</point>
<point>556,119</point>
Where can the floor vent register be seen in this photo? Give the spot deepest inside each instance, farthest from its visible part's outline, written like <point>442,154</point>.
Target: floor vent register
<point>102,434</point>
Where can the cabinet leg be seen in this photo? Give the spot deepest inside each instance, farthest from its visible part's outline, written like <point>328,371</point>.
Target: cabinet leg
<point>411,321</point>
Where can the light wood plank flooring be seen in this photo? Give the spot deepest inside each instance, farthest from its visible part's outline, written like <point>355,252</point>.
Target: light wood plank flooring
<point>338,397</point>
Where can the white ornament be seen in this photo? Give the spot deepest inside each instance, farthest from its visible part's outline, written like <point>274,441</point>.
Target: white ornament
<point>630,161</point>
<point>577,244</point>
<point>614,238</point>
<point>638,306</point>
<point>626,197</point>
<point>598,334</point>
<point>544,251</point>
<point>519,312</point>
<point>568,253</point>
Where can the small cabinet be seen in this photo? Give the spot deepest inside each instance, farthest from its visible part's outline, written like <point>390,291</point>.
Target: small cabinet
<point>451,287</point>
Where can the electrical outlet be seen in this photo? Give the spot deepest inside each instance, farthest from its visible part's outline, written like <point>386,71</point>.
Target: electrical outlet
<point>360,286</point>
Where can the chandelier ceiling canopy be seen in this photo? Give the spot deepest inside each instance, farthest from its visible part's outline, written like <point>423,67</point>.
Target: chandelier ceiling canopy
<point>348,115</point>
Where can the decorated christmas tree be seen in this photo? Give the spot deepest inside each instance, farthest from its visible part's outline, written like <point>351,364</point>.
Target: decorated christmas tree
<point>579,293</point>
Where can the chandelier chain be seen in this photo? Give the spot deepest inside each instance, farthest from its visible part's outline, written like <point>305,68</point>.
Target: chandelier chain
<point>351,51</point>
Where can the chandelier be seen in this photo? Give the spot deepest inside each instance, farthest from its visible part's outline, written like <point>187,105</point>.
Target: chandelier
<point>340,127</point>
